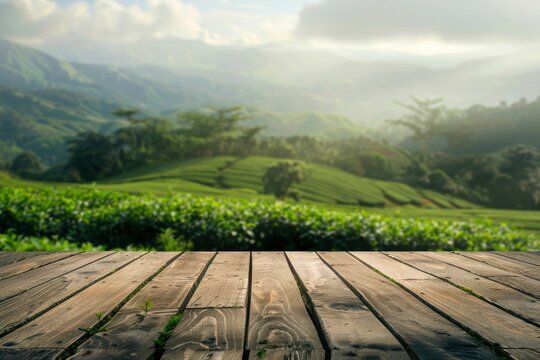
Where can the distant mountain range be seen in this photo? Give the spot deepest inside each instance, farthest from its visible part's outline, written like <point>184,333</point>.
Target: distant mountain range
<point>165,75</point>
<point>42,120</point>
<point>44,100</point>
<point>364,91</point>
<point>148,87</point>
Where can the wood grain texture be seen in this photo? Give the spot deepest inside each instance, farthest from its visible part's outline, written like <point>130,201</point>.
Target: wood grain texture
<point>493,324</point>
<point>525,354</point>
<point>10,257</point>
<point>287,355</point>
<point>18,309</point>
<point>29,354</point>
<point>59,327</point>
<point>506,297</point>
<point>23,282</point>
<point>190,354</point>
<point>209,329</point>
<point>215,317</point>
<point>278,317</point>
<point>353,311</point>
<point>512,265</point>
<point>130,333</point>
<point>528,257</point>
<point>347,323</point>
<point>429,335</point>
<point>225,284</point>
<point>32,262</point>
<point>516,281</point>
<point>366,354</point>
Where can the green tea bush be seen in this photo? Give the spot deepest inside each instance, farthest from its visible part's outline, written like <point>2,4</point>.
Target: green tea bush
<point>11,242</point>
<point>121,220</point>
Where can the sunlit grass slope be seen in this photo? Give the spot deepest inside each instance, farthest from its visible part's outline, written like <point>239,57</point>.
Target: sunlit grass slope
<point>229,175</point>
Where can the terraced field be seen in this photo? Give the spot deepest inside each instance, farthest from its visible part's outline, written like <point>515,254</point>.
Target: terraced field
<point>326,187</point>
<point>230,176</point>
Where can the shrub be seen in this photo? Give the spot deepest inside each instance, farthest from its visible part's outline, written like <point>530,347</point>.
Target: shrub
<point>11,242</point>
<point>120,220</point>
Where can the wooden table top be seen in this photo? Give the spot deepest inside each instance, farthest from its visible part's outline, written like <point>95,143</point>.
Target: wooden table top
<point>270,305</point>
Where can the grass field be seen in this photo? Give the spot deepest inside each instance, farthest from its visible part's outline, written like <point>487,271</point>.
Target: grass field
<point>243,177</point>
<point>326,187</point>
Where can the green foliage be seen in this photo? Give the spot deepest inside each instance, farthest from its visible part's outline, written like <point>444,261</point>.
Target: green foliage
<point>39,121</point>
<point>242,178</point>
<point>425,115</point>
<point>11,242</point>
<point>167,331</point>
<point>96,329</point>
<point>279,177</point>
<point>508,179</point>
<point>92,155</point>
<point>147,306</point>
<point>99,315</point>
<point>491,129</point>
<point>168,241</point>
<point>26,165</point>
<point>440,181</point>
<point>116,220</point>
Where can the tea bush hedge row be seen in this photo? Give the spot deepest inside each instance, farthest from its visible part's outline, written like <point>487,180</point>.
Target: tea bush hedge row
<point>115,220</point>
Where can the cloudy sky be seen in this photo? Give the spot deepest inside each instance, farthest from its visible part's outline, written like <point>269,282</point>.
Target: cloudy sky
<point>463,28</point>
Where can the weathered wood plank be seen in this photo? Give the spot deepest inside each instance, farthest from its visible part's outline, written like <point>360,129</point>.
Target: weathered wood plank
<point>32,262</point>
<point>59,327</point>
<point>493,324</point>
<point>278,318</point>
<point>525,354</point>
<point>191,354</point>
<point>429,335</point>
<point>26,354</point>
<point>20,308</point>
<point>347,323</point>
<point>225,284</point>
<point>518,282</point>
<point>515,266</point>
<point>23,282</point>
<point>215,317</point>
<point>510,299</point>
<point>288,355</point>
<point>209,329</point>
<point>528,257</point>
<point>130,333</point>
<point>10,257</point>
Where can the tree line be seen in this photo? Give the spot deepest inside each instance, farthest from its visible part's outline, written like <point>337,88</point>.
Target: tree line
<point>508,179</point>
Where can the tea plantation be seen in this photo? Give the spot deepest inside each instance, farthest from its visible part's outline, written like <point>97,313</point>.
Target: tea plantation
<point>115,220</point>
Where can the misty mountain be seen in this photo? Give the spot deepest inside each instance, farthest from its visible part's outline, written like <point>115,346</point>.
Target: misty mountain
<point>41,121</point>
<point>364,91</point>
<point>152,88</point>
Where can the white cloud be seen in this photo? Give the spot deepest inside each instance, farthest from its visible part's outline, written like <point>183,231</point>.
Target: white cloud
<point>41,20</point>
<point>447,21</point>
<point>247,28</point>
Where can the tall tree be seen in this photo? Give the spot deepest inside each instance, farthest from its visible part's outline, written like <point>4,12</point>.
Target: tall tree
<point>93,155</point>
<point>26,165</point>
<point>279,178</point>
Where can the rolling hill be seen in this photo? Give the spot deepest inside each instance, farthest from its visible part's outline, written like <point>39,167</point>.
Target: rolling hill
<point>364,90</point>
<point>40,121</point>
<point>243,177</point>
<point>319,125</point>
<point>149,87</point>
<point>488,129</point>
